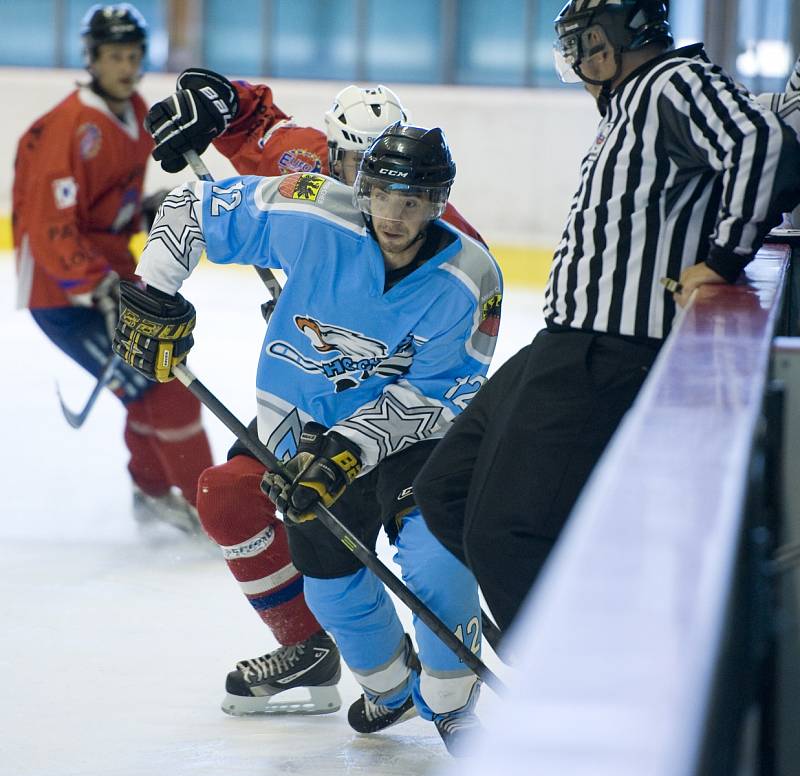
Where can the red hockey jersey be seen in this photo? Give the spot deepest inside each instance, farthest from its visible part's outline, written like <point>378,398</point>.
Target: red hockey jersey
<point>263,140</point>
<point>76,200</point>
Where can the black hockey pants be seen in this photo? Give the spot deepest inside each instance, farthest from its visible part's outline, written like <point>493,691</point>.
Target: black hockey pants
<point>498,488</point>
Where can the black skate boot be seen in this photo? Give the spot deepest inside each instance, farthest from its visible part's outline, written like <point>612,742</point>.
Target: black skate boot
<point>457,728</point>
<point>366,716</point>
<point>311,667</point>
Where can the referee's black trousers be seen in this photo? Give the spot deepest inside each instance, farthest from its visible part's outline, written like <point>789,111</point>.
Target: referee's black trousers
<point>497,490</point>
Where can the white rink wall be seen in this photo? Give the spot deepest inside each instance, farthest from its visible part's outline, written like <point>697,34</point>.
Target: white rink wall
<point>517,150</point>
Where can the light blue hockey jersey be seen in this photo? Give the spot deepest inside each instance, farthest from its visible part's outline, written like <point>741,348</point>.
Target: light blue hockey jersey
<point>384,369</point>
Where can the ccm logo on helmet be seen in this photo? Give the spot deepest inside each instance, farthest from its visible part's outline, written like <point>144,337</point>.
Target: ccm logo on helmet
<point>393,173</point>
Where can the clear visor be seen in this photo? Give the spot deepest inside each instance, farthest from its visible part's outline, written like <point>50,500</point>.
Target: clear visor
<point>564,67</point>
<point>398,201</point>
<point>586,54</point>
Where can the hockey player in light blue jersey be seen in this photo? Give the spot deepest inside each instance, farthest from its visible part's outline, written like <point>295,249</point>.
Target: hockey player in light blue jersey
<point>383,333</point>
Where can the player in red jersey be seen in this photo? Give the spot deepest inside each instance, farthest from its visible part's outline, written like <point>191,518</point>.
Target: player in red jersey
<point>77,199</point>
<point>259,138</point>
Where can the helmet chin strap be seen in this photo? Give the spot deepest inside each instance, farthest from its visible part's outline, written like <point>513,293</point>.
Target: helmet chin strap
<point>603,98</point>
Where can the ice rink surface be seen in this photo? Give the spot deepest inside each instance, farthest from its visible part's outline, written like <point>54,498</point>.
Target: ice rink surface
<point>114,645</point>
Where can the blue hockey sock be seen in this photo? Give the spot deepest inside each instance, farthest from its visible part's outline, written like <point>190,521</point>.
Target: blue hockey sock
<point>359,614</point>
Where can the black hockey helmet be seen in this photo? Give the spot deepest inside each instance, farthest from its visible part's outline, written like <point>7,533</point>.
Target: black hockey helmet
<point>410,160</point>
<point>119,23</point>
<point>626,25</point>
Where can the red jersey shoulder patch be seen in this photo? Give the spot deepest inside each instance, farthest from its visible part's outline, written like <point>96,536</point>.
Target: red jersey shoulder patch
<point>299,160</point>
<point>90,139</point>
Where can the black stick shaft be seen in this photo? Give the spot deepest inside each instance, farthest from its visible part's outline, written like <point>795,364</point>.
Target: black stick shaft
<point>334,525</point>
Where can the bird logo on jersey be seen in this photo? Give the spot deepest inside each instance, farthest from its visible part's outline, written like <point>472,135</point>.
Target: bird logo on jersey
<point>355,356</point>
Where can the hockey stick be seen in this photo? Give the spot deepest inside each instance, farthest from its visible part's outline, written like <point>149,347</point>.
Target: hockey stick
<point>341,532</point>
<point>76,419</point>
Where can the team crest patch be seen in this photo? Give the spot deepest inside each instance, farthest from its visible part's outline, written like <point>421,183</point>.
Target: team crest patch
<point>65,192</point>
<point>299,160</point>
<point>302,186</point>
<point>89,140</point>
<point>490,315</point>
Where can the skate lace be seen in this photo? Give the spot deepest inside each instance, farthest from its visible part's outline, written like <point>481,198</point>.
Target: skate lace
<point>277,662</point>
<point>453,723</point>
<point>373,711</point>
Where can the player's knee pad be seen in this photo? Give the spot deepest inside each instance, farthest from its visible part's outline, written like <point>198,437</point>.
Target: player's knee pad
<point>232,508</point>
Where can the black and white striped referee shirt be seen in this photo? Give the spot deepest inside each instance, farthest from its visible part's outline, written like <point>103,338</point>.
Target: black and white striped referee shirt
<point>685,168</point>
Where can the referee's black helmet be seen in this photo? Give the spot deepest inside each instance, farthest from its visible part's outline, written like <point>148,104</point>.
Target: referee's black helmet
<point>627,25</point>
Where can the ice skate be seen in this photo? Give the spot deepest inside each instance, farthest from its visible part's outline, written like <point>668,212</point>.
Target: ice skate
<point>312,667</point>
<point>170,509</point>
<point>365,716</point>
<point>458,727</point>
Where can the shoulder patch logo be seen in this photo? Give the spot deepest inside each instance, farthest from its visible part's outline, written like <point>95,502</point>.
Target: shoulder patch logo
<point>490,315</point>
<point>90,138</point>
<point>65,192</point>
<point>302,186</point>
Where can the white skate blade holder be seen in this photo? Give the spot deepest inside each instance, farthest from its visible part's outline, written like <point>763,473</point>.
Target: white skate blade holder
<point>298,700</point>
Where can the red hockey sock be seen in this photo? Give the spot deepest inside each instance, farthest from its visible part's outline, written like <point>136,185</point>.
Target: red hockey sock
<point>241,519</point>
<point>145,466</point>
<point>168,416</point>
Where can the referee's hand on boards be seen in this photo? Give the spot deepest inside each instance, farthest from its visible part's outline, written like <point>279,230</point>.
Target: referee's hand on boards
<point>691,278</point>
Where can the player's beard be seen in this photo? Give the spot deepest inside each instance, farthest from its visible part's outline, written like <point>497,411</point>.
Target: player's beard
<point>392,244</point>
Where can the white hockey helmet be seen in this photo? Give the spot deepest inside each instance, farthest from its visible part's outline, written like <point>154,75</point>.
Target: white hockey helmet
<point>356,118</point>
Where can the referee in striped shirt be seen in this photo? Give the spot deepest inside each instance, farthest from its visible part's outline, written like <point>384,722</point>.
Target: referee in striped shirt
<point>685,177</point>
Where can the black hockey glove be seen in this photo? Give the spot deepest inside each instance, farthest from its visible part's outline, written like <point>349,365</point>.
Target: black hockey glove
<point>154,330</point>
<point>104,297</point>
<point>325,464</point>
<point>202,108</point>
